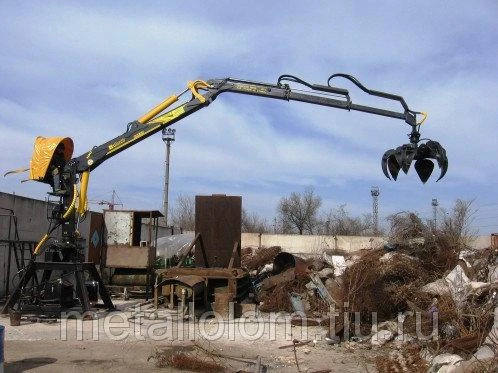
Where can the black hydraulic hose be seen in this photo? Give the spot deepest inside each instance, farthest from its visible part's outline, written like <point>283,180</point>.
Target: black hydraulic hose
<point>370,91</point>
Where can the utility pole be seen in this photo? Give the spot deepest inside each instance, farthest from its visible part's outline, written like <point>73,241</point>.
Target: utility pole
<point>435,204</point>
<point>375,192</point>
<point>168,137</point>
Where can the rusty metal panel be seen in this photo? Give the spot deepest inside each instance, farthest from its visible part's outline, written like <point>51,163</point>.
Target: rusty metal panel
<point>222,273</point>
<point>235,281</point>
<point>119,226</point>
<point>218,220</point>
<point>131,279</point>
<point>95,237</point>
<point>122,256</point>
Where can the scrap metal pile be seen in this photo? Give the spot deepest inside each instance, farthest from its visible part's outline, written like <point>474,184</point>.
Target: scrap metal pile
<point>395,291</point>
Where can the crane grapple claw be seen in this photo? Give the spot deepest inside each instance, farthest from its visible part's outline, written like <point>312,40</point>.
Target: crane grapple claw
<point>401,158</point>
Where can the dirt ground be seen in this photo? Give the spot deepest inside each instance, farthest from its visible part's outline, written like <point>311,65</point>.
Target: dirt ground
<point>125,343</point>
<point>58,356</point>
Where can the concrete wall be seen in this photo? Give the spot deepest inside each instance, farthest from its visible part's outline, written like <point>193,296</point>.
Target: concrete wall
<point>31,216</point>
<point>308,245</point>
<point>481,242</point>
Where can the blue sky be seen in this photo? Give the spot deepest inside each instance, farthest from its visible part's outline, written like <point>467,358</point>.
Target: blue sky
<point>85,69</point>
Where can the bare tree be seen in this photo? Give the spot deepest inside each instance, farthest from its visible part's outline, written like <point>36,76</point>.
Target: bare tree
<point>299,211</point>
<point>457,224</point>
<point>454,228</point>
<point>338,221</point>
<point>183,213</point>
<point>254,223</point>
<point>406,225</point>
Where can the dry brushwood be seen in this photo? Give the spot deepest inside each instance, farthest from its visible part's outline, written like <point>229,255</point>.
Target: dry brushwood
<point>185,360</point>
<point>371,285</point>
<point>436,253</point>
<point>439,247</point>
<point>245,255</point>
<point>406,360</point>
<point>260,258</point>
<point>277,299</point>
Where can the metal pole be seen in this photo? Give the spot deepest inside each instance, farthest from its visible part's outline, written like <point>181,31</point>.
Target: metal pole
<point>375,192</point>
<point>168,136</point>
<point>166,182</point>
<point>435,204</point>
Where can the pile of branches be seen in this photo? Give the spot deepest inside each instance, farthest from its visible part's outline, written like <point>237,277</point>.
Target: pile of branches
<point>259,258</point>
<point>277,299</point>
<point>388,281</point>
<point>372,285</point>
<point>406,360</point>
<point>185,359</point>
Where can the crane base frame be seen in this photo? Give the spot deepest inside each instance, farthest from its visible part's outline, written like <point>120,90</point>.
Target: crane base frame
<point>76,269</point>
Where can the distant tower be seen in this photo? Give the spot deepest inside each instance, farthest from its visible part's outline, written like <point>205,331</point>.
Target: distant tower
<point>375,192</point>
<point>110,204</point>
<point>435,204</point>
<point>168,137</point>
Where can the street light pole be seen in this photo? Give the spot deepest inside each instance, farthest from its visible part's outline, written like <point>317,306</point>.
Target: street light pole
<point>435,204</point>
<point>375,192</point>
<point>168,135</point>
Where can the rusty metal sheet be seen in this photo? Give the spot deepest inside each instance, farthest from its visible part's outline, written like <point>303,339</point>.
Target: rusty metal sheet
<point>222,273</point>
<point>122,256</point>
<point>235,280</point>
<point>95,237</point>
<point>131,279</point>
<point>218,220</point>
<point>286,276</point>
<point>322,290</point>
<point>188,280</point>
<point>191,283</point>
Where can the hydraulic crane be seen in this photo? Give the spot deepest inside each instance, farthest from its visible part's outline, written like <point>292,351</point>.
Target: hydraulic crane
<point>52,161</point>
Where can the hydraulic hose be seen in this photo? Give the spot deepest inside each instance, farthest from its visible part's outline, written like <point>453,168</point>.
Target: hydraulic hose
<point>82,202</point>
<point>40,244</point>
<point>73,203</point>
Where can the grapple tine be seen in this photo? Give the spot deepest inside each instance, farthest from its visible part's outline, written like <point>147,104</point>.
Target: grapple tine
<point>442,161</point>
<point>384,166</point>
<point>399,156</point>
<point>404,156</point>
<point>443,165</point>
<point>439,154</point>
<point>394,166</point>
<point>424,168</point>
<point>385,158</point>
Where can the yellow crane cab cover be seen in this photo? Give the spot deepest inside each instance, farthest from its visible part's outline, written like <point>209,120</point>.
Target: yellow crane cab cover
<point>44,152</point>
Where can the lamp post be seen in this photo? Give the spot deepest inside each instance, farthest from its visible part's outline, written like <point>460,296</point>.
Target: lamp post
<point>435,204</point>
<point>375,192</point>
<point>168,135</point>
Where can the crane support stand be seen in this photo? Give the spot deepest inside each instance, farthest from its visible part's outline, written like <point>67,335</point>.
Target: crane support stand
<point>77,269</point>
